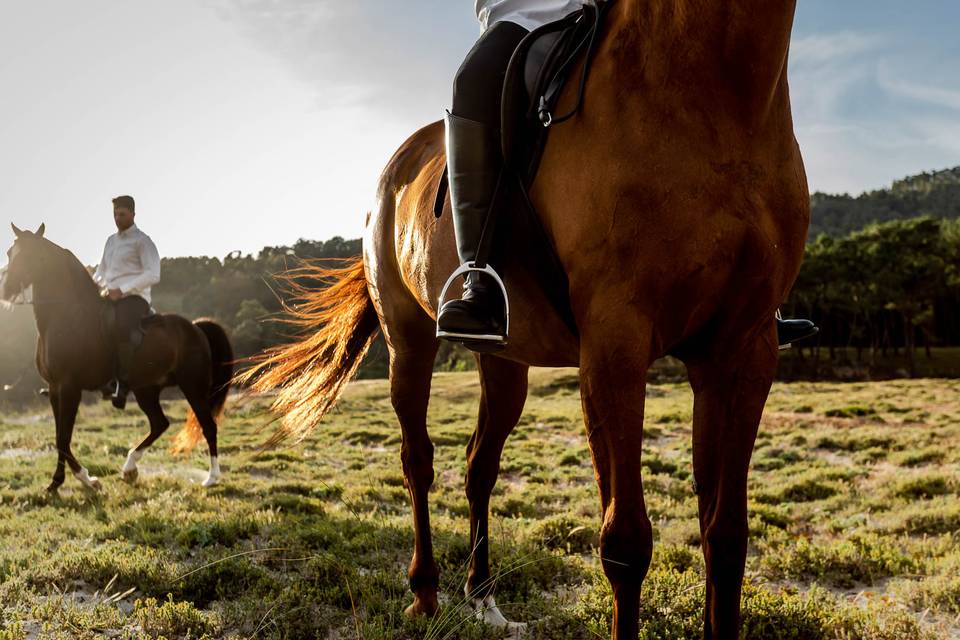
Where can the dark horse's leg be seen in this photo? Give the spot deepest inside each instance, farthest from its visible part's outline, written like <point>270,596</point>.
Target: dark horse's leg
<point>149,401</point>
<point>613,372</point>
<point>411,369</point>
<point>729,395</point>
<point>200,403</point>
<point>61,473</point>
<point>66,401</point>
<point>503,393</point>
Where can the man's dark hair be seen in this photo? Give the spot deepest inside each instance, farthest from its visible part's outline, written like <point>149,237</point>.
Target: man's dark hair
<point>126,202</point>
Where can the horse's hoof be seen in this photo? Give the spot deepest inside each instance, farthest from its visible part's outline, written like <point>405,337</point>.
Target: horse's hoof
<point>422,607</point>
<point>54,486</point>
<point>487,611</point>
<point>130,476</point>
<point>89,481</point>
<point>211,481</point>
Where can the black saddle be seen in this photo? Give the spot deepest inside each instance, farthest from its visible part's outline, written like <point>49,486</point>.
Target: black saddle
<point>539,69</point>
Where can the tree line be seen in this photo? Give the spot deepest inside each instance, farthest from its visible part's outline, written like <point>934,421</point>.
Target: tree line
<point>881,274</point>
<point>889,286</point>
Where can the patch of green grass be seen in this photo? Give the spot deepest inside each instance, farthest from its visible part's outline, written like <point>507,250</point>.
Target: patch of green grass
<point>842,563</point>
<point>916,458</point>
<point>171,619</point>
<point>852,411</point>
<point>931,517</point>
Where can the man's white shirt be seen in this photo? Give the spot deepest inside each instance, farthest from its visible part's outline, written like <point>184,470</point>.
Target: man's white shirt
<point>529,14</point>
<point>130,263</point>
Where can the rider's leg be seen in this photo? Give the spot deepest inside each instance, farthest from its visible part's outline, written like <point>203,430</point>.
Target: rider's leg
<point>474,162</point>
<point>129,312</point>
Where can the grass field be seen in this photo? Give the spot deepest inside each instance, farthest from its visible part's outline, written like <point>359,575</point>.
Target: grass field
<point>855,513</point>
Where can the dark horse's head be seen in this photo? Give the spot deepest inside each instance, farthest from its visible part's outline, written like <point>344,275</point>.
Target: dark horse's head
<point>24,262</point>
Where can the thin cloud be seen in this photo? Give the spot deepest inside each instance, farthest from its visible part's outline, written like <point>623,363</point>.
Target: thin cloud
<point>832,47</point>
<point>930,95</point>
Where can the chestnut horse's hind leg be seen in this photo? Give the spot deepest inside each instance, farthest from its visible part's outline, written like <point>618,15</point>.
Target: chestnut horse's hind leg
<point>149,401</point>
<point>411,370</point>
<point>66,401</point>
<point>729,399</point>
<point>613,372</point>
<point>503,393</point>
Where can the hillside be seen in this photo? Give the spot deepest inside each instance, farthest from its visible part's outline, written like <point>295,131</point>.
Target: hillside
<point>935,194</point>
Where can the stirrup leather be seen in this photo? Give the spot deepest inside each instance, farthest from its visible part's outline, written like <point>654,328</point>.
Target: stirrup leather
<point>465,268</point>
<point>782,347</point>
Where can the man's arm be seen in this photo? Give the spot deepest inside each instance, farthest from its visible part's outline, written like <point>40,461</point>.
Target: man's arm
<point>150,261</point>
<point>100,275</point>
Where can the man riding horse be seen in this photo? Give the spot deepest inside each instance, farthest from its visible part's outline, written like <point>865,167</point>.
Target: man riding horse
<point>475,162</point>
<point>130,266</point>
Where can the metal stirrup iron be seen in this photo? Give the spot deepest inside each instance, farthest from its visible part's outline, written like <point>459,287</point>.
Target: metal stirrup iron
<point>462,270</point>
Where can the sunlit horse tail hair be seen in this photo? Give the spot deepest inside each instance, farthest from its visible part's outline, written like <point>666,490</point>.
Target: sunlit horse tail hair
<point>221,367</point>
<point>339,323</point>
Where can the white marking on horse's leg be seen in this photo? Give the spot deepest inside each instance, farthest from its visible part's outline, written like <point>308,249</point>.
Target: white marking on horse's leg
<point>129,468</point>
<point>89,481</point>
<point>487,611</point>
<point>214,476</point>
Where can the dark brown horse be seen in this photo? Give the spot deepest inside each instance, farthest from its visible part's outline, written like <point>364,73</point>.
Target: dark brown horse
<point>75,352</point>
<point>677,203</point>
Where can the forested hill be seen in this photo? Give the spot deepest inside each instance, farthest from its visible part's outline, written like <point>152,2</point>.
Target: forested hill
<point>934,194</point>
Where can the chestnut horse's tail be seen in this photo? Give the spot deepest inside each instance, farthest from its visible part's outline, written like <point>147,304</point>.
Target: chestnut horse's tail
<point>310,374</point>
<point>221,365</point>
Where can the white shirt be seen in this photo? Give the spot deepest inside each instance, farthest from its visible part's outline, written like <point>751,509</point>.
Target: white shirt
<point>130,263</point>
<point>529,14</point>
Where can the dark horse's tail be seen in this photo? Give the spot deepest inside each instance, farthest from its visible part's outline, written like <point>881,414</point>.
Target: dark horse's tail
<point>221,366</point>
<point>339,323</point>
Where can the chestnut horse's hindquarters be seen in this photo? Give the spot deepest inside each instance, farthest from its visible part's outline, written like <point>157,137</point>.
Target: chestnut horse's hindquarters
<point>311,373</point>
<point>221,367</point>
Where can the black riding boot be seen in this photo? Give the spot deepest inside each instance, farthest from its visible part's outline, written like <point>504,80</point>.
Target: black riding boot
<point>125,351</point>
<point>790,331</point>
<point>474,163</point>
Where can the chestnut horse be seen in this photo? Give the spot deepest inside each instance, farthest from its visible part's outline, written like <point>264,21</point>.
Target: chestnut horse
<point>75,352</point>
<point>677,203</point>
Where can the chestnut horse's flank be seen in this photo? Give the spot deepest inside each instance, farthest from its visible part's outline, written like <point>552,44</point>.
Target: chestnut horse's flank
<point>678,205</point>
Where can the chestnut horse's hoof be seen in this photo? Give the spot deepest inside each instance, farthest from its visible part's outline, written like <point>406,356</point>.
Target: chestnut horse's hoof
<point>54,486</point>
<point>130,476</point>
<point>422,607</point>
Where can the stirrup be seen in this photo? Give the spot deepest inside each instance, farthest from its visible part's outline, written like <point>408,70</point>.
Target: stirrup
<point>465,268</point>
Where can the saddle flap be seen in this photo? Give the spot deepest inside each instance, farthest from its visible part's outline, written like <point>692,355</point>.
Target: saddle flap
<point>539,67</point>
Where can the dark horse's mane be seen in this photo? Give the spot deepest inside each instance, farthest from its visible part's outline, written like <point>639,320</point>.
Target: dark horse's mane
<point>81,281</point>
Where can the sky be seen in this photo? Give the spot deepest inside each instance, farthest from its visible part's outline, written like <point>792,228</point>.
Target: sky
<point>243,123</point>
